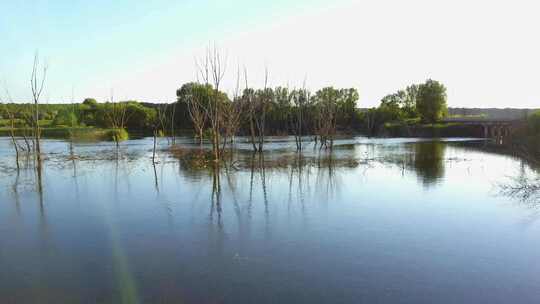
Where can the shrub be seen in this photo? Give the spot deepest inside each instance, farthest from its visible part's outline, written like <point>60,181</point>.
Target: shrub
<point>118,134</point>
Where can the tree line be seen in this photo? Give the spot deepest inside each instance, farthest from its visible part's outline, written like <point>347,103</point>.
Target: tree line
<point>252,112</point>
<point>218,117</point>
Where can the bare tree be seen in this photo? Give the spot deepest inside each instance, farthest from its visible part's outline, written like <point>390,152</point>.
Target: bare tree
<point>326,116</point>
<point>262,101</point>
<point>28,119</point>
<point>232,115</point>
<point>212,69</point>
<point>117,117</point>
<point>258,102</point>
<point>71,123</point>
<point>173,116</point>
<point>327,122</point>
<point>37,83</point>
<point>159,124</point>
<point>319,124</point>
<point>197,113</point>
<point>249,100</point>
<point>300,99</point>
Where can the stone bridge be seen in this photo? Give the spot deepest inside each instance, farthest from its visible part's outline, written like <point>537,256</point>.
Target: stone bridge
<point>498,129</point>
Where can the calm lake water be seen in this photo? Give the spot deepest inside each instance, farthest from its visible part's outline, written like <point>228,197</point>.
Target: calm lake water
<point>376,221</point>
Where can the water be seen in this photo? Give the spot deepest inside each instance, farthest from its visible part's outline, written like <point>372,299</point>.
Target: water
<point>377,221</point>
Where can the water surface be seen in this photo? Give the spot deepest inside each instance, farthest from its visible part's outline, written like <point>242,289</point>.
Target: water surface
<point>376,221</point>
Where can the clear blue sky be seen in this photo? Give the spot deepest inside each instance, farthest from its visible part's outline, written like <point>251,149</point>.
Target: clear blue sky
<point>90,39</point>
<point>486,52</point>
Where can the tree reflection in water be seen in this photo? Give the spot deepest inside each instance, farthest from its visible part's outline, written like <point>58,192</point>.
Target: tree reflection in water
<point>425,159</point>
<point>262,206</point>
<point>216,194</point>
<point>320,169</point>
<point>428,161</point>
<point>524,188</point>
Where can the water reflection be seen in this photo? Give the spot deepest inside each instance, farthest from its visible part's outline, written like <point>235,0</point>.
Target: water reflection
<point>524,188</point>
<point>215,198</point>
<point>310,177</point>
<point>156,181</point>
<point>191,231</point>
<point>15,191</point>
<point>428,161</point>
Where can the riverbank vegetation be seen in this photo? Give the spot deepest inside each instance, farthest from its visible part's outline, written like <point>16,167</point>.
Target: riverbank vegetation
<point>203,109</point>
<point>272,111</point>
<point>420,106</point>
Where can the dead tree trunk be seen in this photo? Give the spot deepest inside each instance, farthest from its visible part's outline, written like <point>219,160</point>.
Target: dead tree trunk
<point>213,69</point>
<point>37,84</point>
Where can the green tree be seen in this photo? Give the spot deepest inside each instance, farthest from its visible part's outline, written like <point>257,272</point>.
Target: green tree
<point>409,101</point>
<point>139,117</point>
<point>326,102</point>
<point>347,112</point>
<point>534,122</point>
<point>66,117</point>
<point>281,107</point>
<point>90,102</point>
<point>194,91</point>
<point>431,101</point>
<point>391,107</point>
<point>402,104</point>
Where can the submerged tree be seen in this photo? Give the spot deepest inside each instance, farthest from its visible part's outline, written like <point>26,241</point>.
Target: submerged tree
<point>158,124</point>
<point>172,113</point>
<point>258,102</point>
<point>326,101</point>
<point>37,84</point>
<point>117,117</point>
<point>212,70</point>
<point>248,98</point>
<point>300,101</point>
<point>261,103</point>
<point>196,97</point>
<point>232,114</point>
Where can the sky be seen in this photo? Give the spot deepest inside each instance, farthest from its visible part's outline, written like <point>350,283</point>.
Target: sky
<point>486,52</point>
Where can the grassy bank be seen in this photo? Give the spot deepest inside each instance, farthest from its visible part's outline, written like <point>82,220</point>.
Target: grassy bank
<point>77,133</point>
